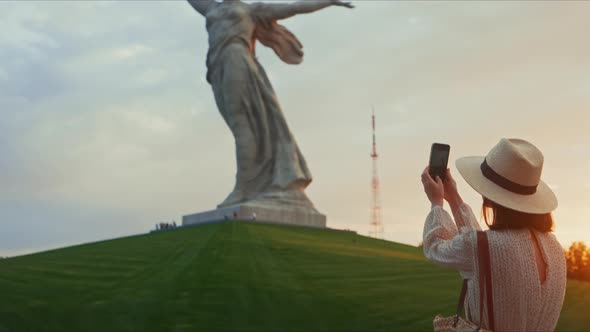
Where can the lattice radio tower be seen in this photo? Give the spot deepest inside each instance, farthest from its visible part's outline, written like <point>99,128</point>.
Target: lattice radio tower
<point>376,226</point>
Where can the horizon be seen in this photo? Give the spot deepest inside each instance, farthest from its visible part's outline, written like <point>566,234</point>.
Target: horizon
<point>109,126</point>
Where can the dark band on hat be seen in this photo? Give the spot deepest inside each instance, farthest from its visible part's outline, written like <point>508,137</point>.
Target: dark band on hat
<point>503,182</point>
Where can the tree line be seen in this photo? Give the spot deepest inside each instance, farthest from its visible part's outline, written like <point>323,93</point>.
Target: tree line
<point>578,261</point>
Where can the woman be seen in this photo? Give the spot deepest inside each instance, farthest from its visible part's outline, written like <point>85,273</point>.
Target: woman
<point>269,163</point>
<point>527,262</point>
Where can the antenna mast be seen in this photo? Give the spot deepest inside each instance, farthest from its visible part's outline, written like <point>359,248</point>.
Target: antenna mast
<point>377,230</point>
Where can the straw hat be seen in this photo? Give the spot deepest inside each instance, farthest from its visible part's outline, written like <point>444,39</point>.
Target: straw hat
<point>510,175</point>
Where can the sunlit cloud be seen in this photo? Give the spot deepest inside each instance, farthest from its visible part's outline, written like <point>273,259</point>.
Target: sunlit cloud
<point>129,52</point>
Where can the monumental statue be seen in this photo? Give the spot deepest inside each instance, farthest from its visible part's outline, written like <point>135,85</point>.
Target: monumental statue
<point>271,171</point>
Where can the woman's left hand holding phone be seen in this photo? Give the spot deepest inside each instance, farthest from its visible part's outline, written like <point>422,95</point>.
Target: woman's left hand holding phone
<point>434,188</point>
<point>451,193</point>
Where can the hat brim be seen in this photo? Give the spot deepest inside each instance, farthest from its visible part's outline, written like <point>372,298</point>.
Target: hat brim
<point>541,202</point>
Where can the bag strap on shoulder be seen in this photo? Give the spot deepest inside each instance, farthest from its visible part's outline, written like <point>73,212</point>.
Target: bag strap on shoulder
<point>485,278</point>
<point>461,303</point>
<point>485,283</point>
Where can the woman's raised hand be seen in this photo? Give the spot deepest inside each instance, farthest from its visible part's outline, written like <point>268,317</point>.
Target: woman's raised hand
<point>434,189</point>
<point>451,193</point>
<point>342,4</point>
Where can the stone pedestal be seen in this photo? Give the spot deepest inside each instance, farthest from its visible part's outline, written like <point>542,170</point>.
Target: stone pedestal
<point>295,215</point>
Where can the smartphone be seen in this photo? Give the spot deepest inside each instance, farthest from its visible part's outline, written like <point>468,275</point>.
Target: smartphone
<point>439,159</point>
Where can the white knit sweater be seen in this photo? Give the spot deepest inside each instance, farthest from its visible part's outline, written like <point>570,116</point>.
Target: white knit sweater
<point>521,302</point>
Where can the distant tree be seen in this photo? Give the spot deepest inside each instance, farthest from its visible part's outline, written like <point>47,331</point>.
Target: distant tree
<point>578,261</point>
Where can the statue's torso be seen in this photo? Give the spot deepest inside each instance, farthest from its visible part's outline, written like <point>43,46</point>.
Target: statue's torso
<point>229,22</point>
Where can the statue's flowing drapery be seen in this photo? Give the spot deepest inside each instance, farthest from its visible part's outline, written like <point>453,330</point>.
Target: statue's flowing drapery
<point>268,158</point>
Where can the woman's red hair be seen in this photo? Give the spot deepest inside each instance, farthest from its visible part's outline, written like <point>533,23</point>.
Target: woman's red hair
<point>498,217</point>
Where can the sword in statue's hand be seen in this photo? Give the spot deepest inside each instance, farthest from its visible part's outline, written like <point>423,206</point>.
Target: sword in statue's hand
<point>342,4</point>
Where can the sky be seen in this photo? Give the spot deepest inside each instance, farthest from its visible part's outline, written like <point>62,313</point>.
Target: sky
<point>109,127</point>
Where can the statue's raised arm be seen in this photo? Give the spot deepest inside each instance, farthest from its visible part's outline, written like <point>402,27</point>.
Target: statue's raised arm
<point>200,5</point>
<point>280,11</point>
<point>273,35</point>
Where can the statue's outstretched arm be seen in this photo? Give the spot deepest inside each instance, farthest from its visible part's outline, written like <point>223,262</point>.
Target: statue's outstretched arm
<point>200,5</point>
<point>285,10</point>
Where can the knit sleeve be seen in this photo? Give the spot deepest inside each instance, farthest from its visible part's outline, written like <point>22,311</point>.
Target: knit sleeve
<point>445,245</point>
<point>464,217</point>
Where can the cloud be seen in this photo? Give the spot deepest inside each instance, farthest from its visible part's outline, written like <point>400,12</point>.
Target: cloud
<point>130,51</point>
<point>3,74</point>
<point>22,30</point>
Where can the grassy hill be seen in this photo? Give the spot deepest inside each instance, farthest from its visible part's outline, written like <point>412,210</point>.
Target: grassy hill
<point>236,276</point>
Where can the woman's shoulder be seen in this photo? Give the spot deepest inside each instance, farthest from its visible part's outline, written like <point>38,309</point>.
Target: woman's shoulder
<point>506,239</point>
<point>550,240</point>
<point>517,237</point>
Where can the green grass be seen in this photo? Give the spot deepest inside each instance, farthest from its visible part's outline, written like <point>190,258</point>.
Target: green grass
<point>236,276</point>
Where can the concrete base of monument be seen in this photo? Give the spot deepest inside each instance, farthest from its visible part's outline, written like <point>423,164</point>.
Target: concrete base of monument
<point>280,214</point>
